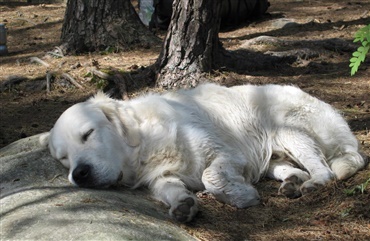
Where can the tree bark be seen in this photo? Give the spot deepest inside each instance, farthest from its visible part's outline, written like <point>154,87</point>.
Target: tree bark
<point>191,44</point>
<point>91,25</point>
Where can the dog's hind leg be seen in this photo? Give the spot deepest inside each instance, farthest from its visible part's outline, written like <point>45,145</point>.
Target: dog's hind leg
<point>306,153</point>
<point>292,177</point>
<point>172,191</point>
<point>346,163</point>
<point>224,181</point>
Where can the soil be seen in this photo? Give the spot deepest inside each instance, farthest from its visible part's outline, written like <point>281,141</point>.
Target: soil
<point>340,211</point>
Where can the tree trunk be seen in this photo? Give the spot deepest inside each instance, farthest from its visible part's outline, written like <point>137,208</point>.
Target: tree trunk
<point>191,44</point>
<point>91,25</point>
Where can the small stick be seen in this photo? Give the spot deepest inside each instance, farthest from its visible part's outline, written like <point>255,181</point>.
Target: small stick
<point>48,80</point>
<point>55,54</point>
<point>38,60</point>
<point>72,80</point>
<point>99,73</point>
<point>11,80</point>
<point>27,20</point>
<point>55,177</point>
<point>60,50</point>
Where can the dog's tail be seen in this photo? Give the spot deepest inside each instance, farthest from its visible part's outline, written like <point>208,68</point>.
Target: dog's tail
<point>44,139</point>
<point>347,164</point>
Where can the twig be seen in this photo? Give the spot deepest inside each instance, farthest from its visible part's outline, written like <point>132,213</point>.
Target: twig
<point>48,80</point>
<point>55,177</point>
<point>363,15</point>
<point>58,52</point>
<point>72,80</point>
<point>59,49</point>
<point>332,44</point>
<point>27,20</point>
<point>304,53</point>
<point>38,60</point>
<point>61,64</point>
<point>99,73</point>
<point>263,40</point>
<point>55,54</point>
<point>11,80</point>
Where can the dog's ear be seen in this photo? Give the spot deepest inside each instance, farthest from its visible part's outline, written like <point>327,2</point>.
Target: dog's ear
<point>122,118</point>
<point>44,139</point>
<point>130,128</point>
<point>125,124</point>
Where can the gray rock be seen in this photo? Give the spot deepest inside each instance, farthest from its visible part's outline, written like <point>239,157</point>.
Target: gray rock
<point>284,23</point>
<point>38,203</point>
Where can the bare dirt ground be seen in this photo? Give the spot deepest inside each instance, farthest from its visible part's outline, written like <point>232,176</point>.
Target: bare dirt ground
<point>340,211</point>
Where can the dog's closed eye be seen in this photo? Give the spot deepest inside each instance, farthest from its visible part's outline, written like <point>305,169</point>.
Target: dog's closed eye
<point>86,135</point>
<point>65,161</point>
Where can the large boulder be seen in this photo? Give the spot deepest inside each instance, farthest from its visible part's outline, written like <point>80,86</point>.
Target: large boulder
<point>38,203</point>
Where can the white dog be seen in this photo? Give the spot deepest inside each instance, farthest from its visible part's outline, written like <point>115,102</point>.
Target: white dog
<point>211,137</point>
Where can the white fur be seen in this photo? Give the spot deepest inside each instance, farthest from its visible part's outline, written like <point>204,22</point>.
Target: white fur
<point>211,137</point>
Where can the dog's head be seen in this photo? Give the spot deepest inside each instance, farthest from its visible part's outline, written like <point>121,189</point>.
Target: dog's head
<point>97,140</point>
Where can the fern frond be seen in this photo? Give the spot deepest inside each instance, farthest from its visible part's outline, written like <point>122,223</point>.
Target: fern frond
<point>362,35</point>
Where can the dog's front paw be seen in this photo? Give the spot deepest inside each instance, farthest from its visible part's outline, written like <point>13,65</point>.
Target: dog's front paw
<point>184,210</point>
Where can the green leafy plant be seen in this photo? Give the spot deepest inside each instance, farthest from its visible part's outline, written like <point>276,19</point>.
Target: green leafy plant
<point>345,212</point>
<point>100,83</point>
<point>362,35</point>
<point>357,189</point>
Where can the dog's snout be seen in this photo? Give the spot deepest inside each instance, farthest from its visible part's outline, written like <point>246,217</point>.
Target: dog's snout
<point>81,174</point>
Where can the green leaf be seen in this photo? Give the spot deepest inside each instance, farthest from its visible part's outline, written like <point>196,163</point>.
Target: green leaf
<point>356,54</point>
<point>359,189</point>
<point>354,70</point>
<point>362,35</point>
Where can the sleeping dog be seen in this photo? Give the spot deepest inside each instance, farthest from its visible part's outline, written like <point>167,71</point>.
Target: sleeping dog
<point>208,138</point>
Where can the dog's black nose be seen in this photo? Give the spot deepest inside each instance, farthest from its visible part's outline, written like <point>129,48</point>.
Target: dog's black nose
<point>81,174</point>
